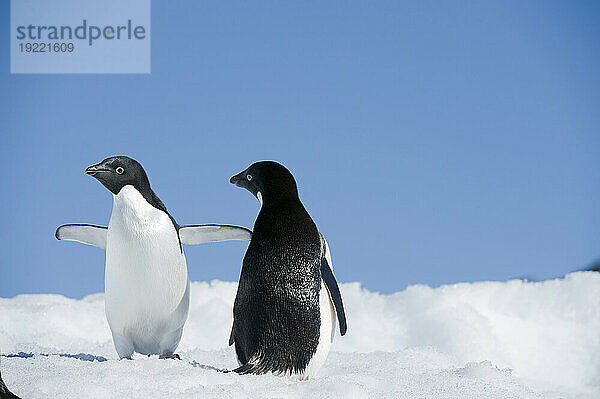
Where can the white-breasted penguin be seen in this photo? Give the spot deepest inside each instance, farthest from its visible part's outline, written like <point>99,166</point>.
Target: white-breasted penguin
<point>285,309</point>
<point>146,279</point>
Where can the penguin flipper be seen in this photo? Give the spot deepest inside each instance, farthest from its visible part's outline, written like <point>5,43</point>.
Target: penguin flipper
<point>203,233</point>
<point>332,287</point>
<point>231,338</point>
<point>334,293</point>
<point>84,233</point>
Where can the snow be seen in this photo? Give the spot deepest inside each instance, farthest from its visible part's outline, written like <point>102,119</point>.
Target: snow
<point>512,339</point>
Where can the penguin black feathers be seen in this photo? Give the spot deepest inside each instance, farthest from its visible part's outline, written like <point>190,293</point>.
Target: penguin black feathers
<point>288,299</point>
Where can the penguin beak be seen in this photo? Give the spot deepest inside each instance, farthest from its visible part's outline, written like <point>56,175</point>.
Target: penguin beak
<point>95,169</point>
<point>238,179</point>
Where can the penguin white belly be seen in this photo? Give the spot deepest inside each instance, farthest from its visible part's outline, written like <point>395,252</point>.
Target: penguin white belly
<point>146,280</point>
<point>326,333</point>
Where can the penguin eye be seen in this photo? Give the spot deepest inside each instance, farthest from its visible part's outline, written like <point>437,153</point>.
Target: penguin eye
<point>249,177</point>
<point>119,170</point>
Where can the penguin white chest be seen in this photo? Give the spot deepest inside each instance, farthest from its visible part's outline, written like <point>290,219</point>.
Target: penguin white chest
<point>146,280</point>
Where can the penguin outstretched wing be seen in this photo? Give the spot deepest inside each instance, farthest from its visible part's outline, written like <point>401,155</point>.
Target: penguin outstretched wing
<point>202,233</point>
<point>194,234</point>
<point>84,233</point>
<point>332,286</point>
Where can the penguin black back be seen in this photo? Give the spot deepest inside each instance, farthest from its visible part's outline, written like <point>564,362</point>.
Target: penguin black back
<point>276,311</point>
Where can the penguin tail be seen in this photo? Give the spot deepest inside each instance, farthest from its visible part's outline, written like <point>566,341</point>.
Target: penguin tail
<point>244,368</point>
<point>4,392</point>
<point>251,368</point>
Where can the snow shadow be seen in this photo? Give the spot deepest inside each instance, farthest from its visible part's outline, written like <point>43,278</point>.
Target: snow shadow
<point>207,367</point>
<point>81,356</point>
<point>86,357</point>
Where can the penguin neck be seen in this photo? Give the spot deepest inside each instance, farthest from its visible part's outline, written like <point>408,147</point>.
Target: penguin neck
<point>282,217</point>
<point>269,204</point>
<point>281,199</point>
<point>130,200</point>
<point>274,192</point>
<point>136,202</point>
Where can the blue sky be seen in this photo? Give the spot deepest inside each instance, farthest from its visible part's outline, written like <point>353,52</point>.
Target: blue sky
<point>432,142</point>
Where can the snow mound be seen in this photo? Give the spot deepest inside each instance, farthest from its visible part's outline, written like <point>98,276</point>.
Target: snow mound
<point>512,339</point>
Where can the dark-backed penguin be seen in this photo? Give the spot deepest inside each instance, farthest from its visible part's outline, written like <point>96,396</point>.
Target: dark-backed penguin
<point>284,314</point>
<point>146,279</point>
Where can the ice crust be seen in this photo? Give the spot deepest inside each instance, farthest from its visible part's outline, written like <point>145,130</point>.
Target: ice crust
<point>513,339</point>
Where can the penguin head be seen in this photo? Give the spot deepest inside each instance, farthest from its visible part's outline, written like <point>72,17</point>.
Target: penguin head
<point>116,172</point>
<point>269,181</point>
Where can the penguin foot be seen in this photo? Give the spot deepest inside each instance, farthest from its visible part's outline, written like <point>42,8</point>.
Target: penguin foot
<point>169,355</point>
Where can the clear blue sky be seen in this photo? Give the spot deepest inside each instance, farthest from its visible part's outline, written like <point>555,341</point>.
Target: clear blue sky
<point>433,142</point>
